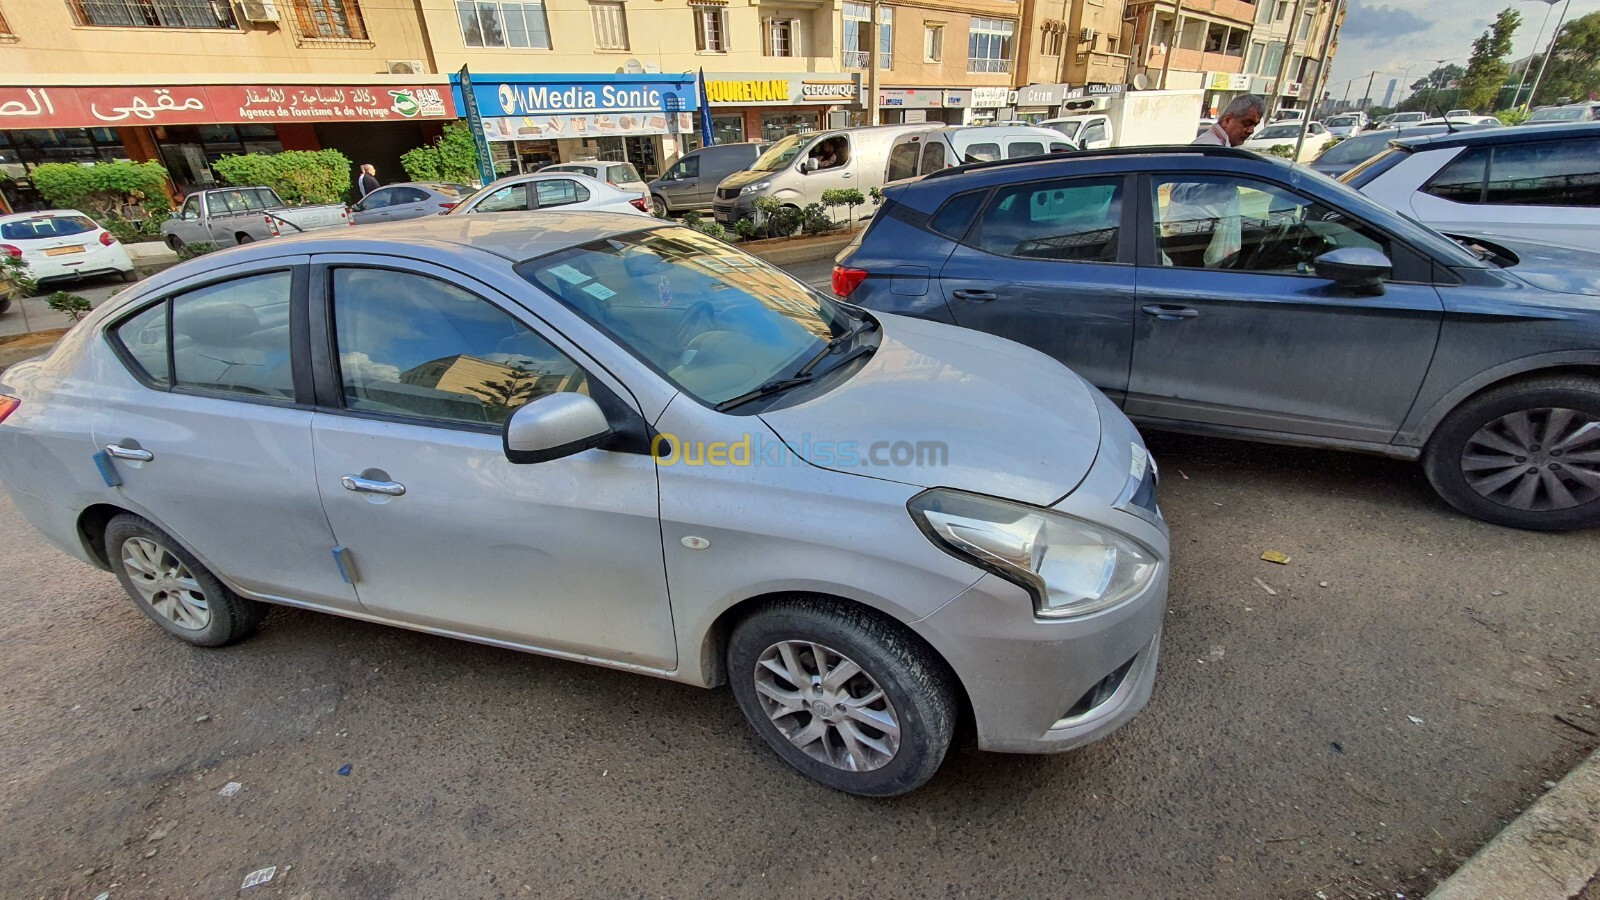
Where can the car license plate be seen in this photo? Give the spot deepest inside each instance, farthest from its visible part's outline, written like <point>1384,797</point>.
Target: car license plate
<point>724,217</point>
<point>62,251</point>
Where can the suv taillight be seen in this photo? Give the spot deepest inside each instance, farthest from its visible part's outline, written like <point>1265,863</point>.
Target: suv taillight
<point>107,239</point>
<point>846,280</point>
<point>8,405</point>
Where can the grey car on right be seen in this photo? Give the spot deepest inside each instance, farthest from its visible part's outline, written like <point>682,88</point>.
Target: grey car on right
<point>1211,290</point>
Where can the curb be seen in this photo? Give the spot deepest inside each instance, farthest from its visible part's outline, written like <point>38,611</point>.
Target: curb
<point>1551,851</point>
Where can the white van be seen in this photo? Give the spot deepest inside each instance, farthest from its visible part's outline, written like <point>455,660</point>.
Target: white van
<point>929,151</point>
<point>796,170</point>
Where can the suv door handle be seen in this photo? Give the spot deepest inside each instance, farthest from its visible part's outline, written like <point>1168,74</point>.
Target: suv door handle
<point>121,452</point>
<point>847,175</point>
<point>368,486</point>
<point>975,296</point>
<point>1170,312</point>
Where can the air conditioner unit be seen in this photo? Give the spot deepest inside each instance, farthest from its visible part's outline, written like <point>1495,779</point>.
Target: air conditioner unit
<point>1086,36</point>
<point>404,66</point>
<point>258,10</point>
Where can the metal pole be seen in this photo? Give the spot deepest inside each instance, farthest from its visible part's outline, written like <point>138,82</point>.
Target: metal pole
<point>1432,84</point>
<point>872,66</point>
<point>1283,64</point>
<point>1550,50</point>
<point>1369,88</point>
<point>1316,83</point>
<point>1517,97</point>
<point>1177,34</point>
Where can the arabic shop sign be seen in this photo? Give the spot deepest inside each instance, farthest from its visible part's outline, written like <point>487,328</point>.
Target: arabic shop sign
<point>98,107</point>
<point>533,95</point>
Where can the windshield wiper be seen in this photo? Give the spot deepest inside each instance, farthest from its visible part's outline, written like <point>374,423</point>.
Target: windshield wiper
<point>805,374</point>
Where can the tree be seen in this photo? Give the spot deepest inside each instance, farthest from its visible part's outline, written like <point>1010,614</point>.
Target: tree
<point>1487,69</point>
<point>1434,90</point>
<point>453,157</point>
<point>1575,64</point>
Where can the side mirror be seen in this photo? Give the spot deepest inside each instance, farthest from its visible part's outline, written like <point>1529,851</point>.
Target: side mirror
<point>808,165</point>
<point>554,426</point>
<point>1358,267</point>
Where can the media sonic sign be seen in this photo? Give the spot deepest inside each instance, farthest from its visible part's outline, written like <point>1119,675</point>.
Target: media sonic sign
<point>533,95</point>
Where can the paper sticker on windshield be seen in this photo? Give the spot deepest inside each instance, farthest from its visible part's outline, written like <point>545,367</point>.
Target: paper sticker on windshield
<point>599,291</point>
<point>569,275</point>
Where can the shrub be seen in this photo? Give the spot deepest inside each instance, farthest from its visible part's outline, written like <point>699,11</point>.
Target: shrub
<point>128,199</point>
<point>15,270</point>
<point>746,229</point>
<point>815,219</point>
<point>715,230</point>
<point>71,305</point>
<point>779,220</point>
<point>1514,116</point>
<point>198,248</point>
<point>850,198</point>
<point>692,219</point>
<point>301,177</point>
<point>452,157</point>
<point>1282,151</point>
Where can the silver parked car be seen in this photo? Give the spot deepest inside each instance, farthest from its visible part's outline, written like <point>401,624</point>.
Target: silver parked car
<point>620,443</point>
<point>566,190</point>
<point>409,200</point>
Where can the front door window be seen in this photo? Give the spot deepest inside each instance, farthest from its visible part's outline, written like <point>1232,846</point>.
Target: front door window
<point>1224,222</point>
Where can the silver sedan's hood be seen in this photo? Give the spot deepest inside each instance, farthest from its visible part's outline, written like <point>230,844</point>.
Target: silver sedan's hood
<point>940,406</point>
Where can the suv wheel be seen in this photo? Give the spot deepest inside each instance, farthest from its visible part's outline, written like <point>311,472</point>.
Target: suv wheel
<point>1525,454</point>
<point>658,206</point>
<point>844,695</point>
<point>174,589</point>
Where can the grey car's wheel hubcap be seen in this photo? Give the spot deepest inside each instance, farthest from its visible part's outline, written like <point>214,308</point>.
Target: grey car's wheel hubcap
<point>1536,459</point>
<point>166,583</point>
<point>827,705</point>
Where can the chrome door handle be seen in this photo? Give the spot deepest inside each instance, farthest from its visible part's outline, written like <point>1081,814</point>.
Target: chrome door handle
<point>1163,311</point>
<point>368,486</point>
<point>976,296</point>
<point>121,452</point>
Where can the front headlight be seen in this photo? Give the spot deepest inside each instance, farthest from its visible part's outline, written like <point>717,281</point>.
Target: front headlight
<point>758,186</point>
<point>1071,567</point>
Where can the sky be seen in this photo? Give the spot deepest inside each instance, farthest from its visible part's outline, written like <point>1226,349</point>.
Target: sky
<point>1389,35</point>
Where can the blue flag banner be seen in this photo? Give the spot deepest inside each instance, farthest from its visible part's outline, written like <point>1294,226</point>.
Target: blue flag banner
<point>475,122</point>
<point>706,135</point>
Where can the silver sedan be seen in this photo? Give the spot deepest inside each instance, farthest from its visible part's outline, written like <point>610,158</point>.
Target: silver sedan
<point>620,443</point>
<point>410,200</point>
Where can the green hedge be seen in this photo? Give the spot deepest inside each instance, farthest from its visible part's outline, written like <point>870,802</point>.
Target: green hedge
<point>129,199</point>
<point>453,157</point>
<point>301,177</point>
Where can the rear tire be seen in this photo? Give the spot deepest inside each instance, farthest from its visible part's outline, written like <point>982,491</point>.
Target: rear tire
<point>130,276</point>
<point>658,206</point>
<point>174,589</point>
<point>174,243</point>
<point>880,730</point>
<point>242,239</point>
<point>1523,455</point>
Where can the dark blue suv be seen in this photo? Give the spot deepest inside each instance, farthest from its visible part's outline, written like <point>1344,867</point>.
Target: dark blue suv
<point>1212,290</point>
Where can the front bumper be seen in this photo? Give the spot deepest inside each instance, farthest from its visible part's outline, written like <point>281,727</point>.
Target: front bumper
<point>727,212</point>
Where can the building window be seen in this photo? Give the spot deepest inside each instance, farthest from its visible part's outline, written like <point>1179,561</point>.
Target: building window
<point>1283,10</point>
<point>489,24</point>
<point>154,13</point>
<point>885,37</point>
<point>610,25</point>
<point>5,30</point>
<point>933,43</point>
<point>330,20</point>
<point>989,45</point>
<point>1253,64</point>
<point>1274,59</point>
<point>710,28</point>
<point>1053,35</point>
<point>1216,37</point>
<point>1305,23</point>
<point>783,37</point>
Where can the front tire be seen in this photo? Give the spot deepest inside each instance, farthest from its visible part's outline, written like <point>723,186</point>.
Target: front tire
<point>845,695</point>
<point>174,589</point>
<point>1524,455</point>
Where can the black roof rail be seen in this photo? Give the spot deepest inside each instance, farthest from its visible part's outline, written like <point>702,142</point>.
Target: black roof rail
<point>1156,149</point>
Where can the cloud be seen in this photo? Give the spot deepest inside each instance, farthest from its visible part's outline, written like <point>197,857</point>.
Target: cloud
<point>1379,25</point>
<point>361,366</point>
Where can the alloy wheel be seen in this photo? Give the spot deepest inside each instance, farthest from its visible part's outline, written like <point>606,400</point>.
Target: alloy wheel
<point>166,583</point>
<point>825,704</point>
<point>1536,459</point>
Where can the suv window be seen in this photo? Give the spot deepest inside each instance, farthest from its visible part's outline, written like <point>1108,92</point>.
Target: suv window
<point>902,161</point>
<point>234,337</point>
<point>415,346</point>
<point>1074,220</point>
<point>1547,173</point>
<point>560,192</point>
<point>1224,222</point>
<point>1461,179</point>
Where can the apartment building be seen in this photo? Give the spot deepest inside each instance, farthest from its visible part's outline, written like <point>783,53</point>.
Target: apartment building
<point>188,81</point>
<point>1285,53</point>
<point>1072,44</point>
<point>1187,44</point>
<point>936,61</point>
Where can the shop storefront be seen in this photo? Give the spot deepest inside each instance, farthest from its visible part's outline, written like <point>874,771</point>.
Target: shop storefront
<point>766,107</point>
<point>1221,88</point>
<point>1038,102</point>
<point>534,120</point>
<point>189,127</point>
<point>897,106</point>
<point>988,104</point>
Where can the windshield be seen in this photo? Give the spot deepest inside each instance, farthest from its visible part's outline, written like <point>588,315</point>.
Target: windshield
<point>1355,149</point>
<point>40,227</point>
<point>1558,114</point>
<point>1070,129</point>
<point>1278,131</point>
<point>781,153</point>
<point>716,322</point>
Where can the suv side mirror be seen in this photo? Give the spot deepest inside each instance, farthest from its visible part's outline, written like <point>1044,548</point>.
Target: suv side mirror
<point>554,426</point>
<point>1357,267</point>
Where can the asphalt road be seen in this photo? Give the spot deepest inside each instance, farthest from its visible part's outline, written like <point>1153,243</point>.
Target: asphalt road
<point>1278,758</point>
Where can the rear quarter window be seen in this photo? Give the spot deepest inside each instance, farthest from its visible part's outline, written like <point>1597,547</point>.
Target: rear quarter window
<point>956,215</point>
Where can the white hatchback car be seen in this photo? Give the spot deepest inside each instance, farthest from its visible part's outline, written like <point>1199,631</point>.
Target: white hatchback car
<point>550,190</point>
<point>60,244</point>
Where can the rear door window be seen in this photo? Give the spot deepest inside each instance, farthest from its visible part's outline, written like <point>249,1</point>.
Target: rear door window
<point>234,337</point>
<point>507,199</point>
<point>934,157</point>
<point>624,173</point>
<point>560,192</point>
<point>144,337</point>
<point>1074,220</point>
<point>953,219</point>
<point>1547,173</point>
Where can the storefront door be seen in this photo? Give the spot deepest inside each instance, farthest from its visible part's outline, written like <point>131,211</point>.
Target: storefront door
<point>642,153</point>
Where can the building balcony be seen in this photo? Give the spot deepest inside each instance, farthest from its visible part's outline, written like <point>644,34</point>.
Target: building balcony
<point>1000,66</point>
<point>856,59</point>
<point>1196,61</point>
